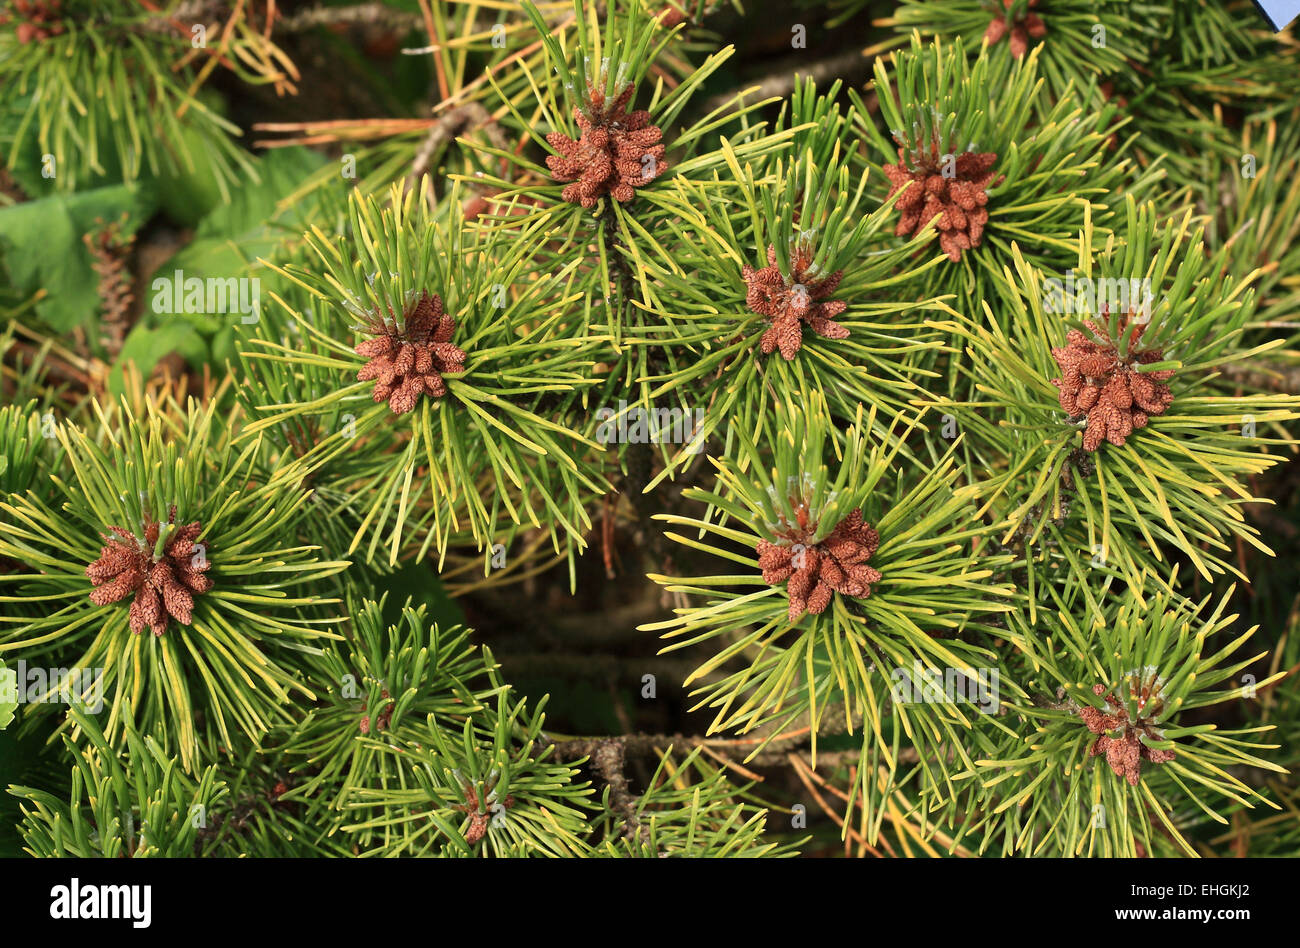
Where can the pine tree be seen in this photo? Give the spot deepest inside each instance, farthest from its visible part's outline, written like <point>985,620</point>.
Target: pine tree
<point>592,452</point>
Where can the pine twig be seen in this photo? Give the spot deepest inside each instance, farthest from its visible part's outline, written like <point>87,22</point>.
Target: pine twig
<point>361,14</point>
<point>447,127</point>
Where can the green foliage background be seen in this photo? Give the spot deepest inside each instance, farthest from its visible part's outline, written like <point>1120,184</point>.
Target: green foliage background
<point>430,633</point>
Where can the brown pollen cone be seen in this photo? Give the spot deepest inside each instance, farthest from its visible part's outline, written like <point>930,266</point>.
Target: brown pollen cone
<point>789,304</point>
<point>958,199</point>
<point>616,152</point>
<point>815,570</point>
<point>1020,31</point>
<point>1125,751</point>
<point>480,816</point>
<point>383,718</point>
<point>671,16</point>
<point>163,586</point>
<point>1116,398</point>
<point>35,19</point>
<point>409,361</point>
